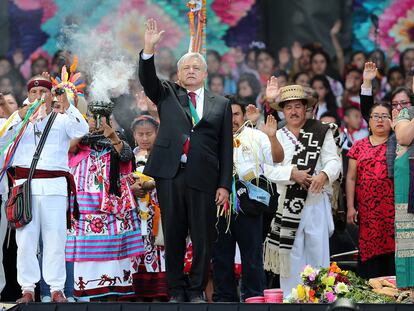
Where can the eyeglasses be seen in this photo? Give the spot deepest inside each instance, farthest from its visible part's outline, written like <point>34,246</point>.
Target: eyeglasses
<point>402,104</point>
<point>377,117</point>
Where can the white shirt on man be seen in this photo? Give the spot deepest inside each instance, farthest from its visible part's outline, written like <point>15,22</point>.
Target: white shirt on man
<point>54,156</point>
<point>253,152</point>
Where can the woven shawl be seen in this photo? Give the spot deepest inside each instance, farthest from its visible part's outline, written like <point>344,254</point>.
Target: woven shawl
<point>284,225</point>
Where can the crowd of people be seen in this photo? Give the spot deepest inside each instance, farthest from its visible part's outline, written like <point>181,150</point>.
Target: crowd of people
<point>207,165</point>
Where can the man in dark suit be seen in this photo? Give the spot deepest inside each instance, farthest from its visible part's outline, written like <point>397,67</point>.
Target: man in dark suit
<point>191,161</point>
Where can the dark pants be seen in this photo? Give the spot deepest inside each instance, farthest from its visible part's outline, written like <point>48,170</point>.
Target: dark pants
<point>247,232</point>
<point>184,210</point>
<point>381,265</point>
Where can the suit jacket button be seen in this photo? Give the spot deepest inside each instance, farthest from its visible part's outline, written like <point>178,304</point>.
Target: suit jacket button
<point>192,131</point>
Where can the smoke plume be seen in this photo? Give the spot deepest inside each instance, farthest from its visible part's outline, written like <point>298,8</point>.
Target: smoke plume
<point>106,66</point>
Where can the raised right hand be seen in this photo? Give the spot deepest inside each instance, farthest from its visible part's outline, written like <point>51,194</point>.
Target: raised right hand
<point>370,71</point>
<point>272,89</point>
<point>297,50</point>
<point>252,113</point>
<point>152,36</point>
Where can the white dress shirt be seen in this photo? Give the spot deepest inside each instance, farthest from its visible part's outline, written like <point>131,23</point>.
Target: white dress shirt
<point>54,156</point>
<point>254,151</point>
<point>329,162</point>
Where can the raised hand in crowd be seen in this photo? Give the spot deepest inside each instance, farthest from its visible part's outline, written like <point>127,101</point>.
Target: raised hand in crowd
<point>272,89</point>
<point>296,50</point>
<point>46,75</point>
<point>369,74</point>
<point>152,36</point>
<point>270,127</point>
<point>252,114</point>
<point>336,28</point>
<point>284,58</point>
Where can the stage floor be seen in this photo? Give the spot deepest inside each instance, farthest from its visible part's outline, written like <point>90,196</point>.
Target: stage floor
<point>134,306</point>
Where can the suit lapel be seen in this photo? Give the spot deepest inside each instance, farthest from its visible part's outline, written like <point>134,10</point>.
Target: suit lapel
<point>183,98</point>
<point>208,103</point>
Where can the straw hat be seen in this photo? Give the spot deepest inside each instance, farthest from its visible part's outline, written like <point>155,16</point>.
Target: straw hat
<point>294,92</point>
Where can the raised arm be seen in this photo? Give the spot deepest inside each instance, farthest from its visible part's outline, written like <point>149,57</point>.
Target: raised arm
<point>338,49</point>
<point>269,129</point>
<point>367,98</point>
<point>147,74</point>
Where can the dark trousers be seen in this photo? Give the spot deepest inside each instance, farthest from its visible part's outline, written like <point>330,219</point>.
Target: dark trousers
<point>185,210</point>
<point>247,231</point>
<point>381,265</point>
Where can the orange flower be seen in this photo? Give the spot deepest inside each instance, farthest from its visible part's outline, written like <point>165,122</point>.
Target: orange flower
<point>334,268</point>
<point>312,295</point>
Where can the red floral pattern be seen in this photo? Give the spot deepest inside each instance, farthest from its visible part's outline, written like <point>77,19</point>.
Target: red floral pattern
<point>374,198</point>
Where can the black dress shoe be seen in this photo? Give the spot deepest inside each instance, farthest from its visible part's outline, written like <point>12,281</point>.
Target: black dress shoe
<point>181,297</point>
<point>197,298</point>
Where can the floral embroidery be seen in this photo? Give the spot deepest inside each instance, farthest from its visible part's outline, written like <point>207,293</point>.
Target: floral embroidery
<point>96,224</point>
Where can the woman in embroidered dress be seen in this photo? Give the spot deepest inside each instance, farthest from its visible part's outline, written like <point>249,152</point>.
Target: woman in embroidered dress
<point>150,280</point>
<point>404,196</point>
<point>107,236</point>
<point>369,188</point>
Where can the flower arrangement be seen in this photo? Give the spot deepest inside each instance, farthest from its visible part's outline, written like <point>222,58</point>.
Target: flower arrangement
<point>325,285</point>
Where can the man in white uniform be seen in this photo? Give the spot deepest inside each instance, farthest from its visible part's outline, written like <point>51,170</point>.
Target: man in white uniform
<point>49,192</point>
<point>303,223</point>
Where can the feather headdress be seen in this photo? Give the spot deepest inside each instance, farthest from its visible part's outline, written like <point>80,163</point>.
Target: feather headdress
<point>71,83</point>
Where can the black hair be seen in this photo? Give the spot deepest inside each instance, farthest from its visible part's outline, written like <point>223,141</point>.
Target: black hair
<point>350,108</point>
<point>265,51</point>
<point>354,53</point>
<point>323,53</point>
<point>213,76</point>
<point>381,104</point>
<point>281,73</point>
<point>332,115</point>
<point>5,58</point>
<point>298,74</point>
<point>402,55</point>
<point>406,90</point>
<point>394,70</point>
<point>373,59</point>
<point>253,82</point>
<point>144,119</point>
<point>12,93</point>
<point>235,100</point>
<point>330,97</point>
<point>215,54</point>
<point>353,69</point>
